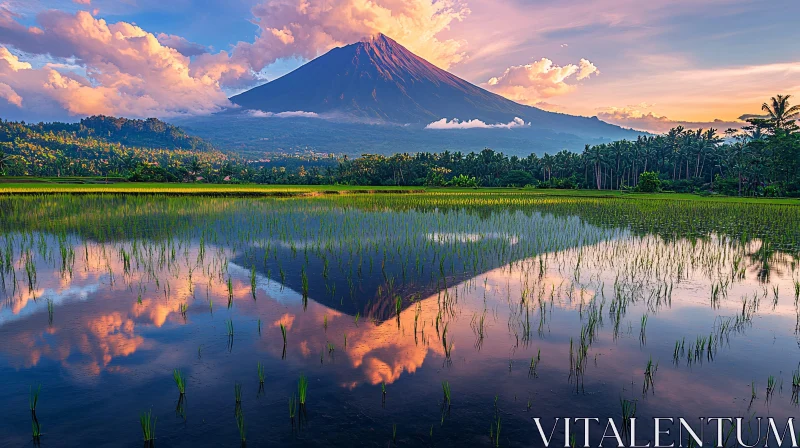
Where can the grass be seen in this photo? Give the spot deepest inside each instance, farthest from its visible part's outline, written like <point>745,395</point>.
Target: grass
<point>180,381</point>
<point>148,423</point>
<point>8,186</point>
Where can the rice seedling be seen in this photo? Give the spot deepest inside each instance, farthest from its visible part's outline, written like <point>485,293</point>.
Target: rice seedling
<point>180,381</point>
<point>628,412</point>
<point>643,329</point>
<point>229,327</point>
<point>237,392</point>
<point>796,291</point>
<point>240,426</point>
<point>36,428</point>
<point>770,386</point>
<point>261,376</point>
<point>394,432</point>
<point>34,397</point>
<point>50,310</point>
<point>302,390</point>
<point>148,424</point>
<point>253,283</point>
<point>292,406</point>
<point>447,393</point>
<point>497,432</point>
<point>649,373</point>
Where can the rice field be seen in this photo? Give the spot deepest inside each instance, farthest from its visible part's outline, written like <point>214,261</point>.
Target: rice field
<point>427,319</point>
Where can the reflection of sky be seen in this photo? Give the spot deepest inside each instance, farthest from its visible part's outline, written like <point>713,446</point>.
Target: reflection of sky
<point>100,332</point>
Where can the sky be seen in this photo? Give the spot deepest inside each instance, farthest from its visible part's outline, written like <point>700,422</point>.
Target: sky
<point>646,64</point>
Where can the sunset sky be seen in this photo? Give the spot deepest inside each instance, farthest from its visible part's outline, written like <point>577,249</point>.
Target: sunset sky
<point>636,63</point>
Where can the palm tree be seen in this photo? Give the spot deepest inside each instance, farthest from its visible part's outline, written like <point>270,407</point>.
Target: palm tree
<point>4,160</point>
<point>781,115</point>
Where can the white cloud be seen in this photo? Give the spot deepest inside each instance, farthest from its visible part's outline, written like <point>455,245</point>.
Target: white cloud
<point>287,114</point>
<point>476,124</point>
<point>541,79</point>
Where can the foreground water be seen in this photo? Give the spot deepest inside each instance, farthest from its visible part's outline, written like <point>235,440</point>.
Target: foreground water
<point>518,307</point>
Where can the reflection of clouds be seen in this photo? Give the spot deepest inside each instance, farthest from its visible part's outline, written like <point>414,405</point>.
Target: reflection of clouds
<point>107,325</point>
<point>465,237</point>
<point>114,334</point>
<point>25,305</point>
<point>286,320</point>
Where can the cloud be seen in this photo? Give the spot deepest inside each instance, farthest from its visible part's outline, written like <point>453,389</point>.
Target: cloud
<point>476,124</point>
<point>126,70</point>
<point>307,28</point>
<point>8,94</point>
<point>288,114</point>
<point>637,117</point>
<point>183,45</point>
<point>541,79</point>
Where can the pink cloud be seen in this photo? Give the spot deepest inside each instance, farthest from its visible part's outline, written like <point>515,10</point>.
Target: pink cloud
<point>308,28</point>
<point>531,83</point>
<point>8,94</point>
<point>184,46</point>
<point>635,117</point>
<point>128,70</point>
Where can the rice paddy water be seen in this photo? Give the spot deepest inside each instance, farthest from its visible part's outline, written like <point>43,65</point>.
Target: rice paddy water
<point>388,319</point>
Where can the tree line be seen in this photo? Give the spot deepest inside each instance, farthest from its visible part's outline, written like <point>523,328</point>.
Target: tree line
<point>761,159</point>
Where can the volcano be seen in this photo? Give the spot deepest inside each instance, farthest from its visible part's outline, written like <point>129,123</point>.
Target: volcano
<point>379,80</point>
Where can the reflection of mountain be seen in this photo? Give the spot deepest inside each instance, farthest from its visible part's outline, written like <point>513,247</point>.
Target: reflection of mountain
<point>356,277</point>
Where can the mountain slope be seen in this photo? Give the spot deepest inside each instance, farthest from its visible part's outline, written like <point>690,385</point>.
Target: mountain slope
<point>379,79</point>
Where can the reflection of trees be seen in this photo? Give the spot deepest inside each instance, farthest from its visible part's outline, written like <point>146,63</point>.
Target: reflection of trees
<point>766,259</point>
